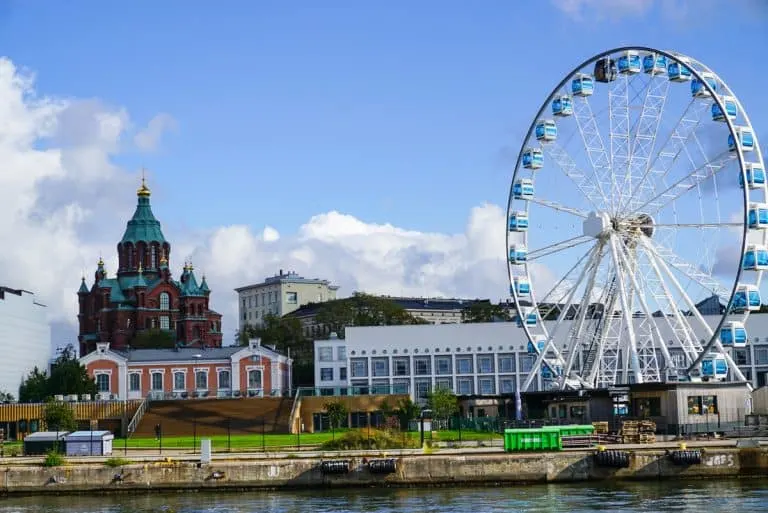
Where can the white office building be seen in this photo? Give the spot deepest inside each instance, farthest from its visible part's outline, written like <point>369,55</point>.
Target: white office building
<point>279,295</point>
<point>25,337</point>
<point>483,359</point>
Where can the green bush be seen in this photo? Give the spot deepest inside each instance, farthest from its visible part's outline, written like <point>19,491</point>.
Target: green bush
<point>53,459</point>
<point>117,462</point>
<point>373,439</point>
<point>12,451</point>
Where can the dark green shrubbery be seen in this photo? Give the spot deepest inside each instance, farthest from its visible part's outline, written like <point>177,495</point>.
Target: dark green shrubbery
<point>373,439</point>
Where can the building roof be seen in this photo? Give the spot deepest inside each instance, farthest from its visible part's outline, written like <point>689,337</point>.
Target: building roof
<point>289,277</point>
<point>143,226</point>
<point>182,353</point>
<point>417,303</point>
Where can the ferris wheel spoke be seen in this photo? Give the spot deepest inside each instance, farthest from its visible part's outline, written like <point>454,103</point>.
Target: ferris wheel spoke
<point>618,115</point>
<point>647,347</point>
<point>658,167</point>
<point>589,187</point>
<point>558,207</point>
<point>626,309</point>
<point>559,246</point>
<point>565,309</point>
<point>644,139</point>
<point>702,351</point>
<point>691,225</point>
<point>595,149</point>
<point>547,299</point>
<point>691,181</point>
<point>693,272</point>
<point>681,329</point>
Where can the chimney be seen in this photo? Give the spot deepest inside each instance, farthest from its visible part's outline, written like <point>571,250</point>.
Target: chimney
<point>281,272</point>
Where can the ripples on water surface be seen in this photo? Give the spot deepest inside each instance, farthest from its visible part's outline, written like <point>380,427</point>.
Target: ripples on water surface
<point>678,496</point>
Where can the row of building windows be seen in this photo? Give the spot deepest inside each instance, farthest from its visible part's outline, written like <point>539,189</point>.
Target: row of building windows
<point>325,354</point>
<point>461,385</point>
<point>224,379</point>
<point>443,365</point>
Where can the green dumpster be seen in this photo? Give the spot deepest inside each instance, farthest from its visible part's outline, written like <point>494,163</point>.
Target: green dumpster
<point>542,439</point>
<point>577,430</point>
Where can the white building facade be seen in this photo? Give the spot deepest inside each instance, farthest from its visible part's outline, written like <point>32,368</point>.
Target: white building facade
<point>25,338</point>
<point>482,359</point>
<point>279,295</point>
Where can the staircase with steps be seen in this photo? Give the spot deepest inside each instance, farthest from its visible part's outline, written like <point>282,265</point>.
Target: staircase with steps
<point>210,417</point>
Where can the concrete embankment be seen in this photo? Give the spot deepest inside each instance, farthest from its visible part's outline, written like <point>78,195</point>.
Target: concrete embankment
<point>409,470</point>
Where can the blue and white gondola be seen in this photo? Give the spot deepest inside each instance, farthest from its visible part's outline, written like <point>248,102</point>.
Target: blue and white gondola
<point>522,286</point>
<point>731,109</point>
<point>745,138</point>
<point>562,106</point>
<point>546,131</point>
<point>757,216</point>
<point>533,158</point>
<point>538,347</point>
<point>529,314</point>
<point>698,90</point>
<point>548,373</point>
<point>523,189</point>
<point>679,70</point>
<point>746,298</point>
<point>714,366</point>
<point>654,64</point>
<point>518,254</point>
<point>518,221</point>
<point>755,258</point>
<point>629,62</point>
<point>733,334</point>
<point>755,175</point>
<point>583,85</point>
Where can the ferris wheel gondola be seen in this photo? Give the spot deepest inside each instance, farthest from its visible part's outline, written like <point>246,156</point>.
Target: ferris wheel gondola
<point>622,225</point>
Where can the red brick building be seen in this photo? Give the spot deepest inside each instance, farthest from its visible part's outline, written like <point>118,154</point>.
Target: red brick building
<point>143,295</point>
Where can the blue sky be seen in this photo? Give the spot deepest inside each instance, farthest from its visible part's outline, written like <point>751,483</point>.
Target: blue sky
<point>327,121</point>
<point>401,112</point>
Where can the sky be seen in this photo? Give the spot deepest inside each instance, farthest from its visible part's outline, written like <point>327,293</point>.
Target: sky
<point>369,143</point>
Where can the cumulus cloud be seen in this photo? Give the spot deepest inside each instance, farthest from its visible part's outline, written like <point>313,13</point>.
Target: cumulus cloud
<point>66,200</point>
<point>149,138</point>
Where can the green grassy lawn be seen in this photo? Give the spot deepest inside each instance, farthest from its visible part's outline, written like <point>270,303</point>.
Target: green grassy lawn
<point>277,441</point>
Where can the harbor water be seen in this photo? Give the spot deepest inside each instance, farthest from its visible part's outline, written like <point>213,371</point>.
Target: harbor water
<point>723,496</point>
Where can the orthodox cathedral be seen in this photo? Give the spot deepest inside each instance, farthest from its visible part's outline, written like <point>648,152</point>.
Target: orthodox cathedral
<point>143,295</point>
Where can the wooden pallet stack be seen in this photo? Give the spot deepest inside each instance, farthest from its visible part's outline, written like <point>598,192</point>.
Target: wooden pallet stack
<point>638,431</point>
<point>601,428</point>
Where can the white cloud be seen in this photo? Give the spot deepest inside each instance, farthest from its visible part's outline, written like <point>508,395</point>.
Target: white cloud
<point>665,10</point>
<point>600,9</point>
<point>149,138</point>
<point>65,200</point>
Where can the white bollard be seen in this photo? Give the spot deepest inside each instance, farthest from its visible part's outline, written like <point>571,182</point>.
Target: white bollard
<point>205,450</point>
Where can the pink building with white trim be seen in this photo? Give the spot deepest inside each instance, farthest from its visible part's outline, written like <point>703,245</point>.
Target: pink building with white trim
<point>248,371</point>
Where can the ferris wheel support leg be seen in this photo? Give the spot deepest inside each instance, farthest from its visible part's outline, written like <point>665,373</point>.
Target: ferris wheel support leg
<point>635,361</point>
<point>576,338</point>
<point>560,318</point>
<point>649,315</point>
<point>697,315</point>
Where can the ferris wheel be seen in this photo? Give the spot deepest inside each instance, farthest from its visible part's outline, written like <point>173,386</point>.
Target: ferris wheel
<point>637,225</point>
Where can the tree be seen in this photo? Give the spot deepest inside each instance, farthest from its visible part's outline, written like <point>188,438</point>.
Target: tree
<point>34,388</point>
<point>154,339</point>
<point>59,416</point>
<point>362,310</point>
<point>484,311</point>
<point>406,411</point>
<point>443,403</point>
<point>68,376</point>
<point>337,413</point>
<point>6,397</point>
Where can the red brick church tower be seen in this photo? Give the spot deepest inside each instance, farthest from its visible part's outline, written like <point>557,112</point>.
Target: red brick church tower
<point>143,295</point>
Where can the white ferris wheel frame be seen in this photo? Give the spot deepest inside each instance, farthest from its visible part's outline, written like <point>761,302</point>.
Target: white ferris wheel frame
<point>695,350</point>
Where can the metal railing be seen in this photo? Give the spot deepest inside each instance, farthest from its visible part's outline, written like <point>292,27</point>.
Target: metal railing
<point>137,416</point>
<point>220,394</point>
<point>352,390</point>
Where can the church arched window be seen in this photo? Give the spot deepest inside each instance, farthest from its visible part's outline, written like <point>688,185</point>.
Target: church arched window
<point>129,256</point>
<point>153,256</point>
<point>165,301</point>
